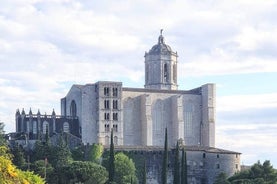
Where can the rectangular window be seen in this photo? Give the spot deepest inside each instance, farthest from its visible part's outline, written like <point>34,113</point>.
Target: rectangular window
<point>107,116</point>
<point>106,91</point>
<point>115,105</point>
<point>115,92</point>
<point>217,166</point>
<point>106,104</point>
<point>115,116</point>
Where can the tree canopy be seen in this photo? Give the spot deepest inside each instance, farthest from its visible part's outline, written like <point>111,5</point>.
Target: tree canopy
<point>125,170</point>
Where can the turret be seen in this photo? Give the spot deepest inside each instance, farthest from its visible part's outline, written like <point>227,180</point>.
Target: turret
<point>161,66</point>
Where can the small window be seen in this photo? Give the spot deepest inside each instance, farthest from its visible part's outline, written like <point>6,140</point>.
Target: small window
<point>115,92</point>
<point>66,127</point>
<point>107,116</point>
<point>237,166</point>
<point>106,104</point>
<point>107,127</point>
<point>115,116</point>
<point>217,166</point>
<point>217,156</point>
<point>106,91</point>
<point>204,155</point>
<point>115,128</point>
<point>115,104</point>
<point>107,140</point>
<point>115,140</point>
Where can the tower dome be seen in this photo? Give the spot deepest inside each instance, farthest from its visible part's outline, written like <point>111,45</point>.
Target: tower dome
<point>161,66</point>
<point>160,47</point>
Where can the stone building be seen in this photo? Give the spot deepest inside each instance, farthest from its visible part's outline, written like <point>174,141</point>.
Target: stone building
<point>139,117</point>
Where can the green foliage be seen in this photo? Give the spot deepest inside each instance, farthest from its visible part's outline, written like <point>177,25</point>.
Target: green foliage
<point>78,154</point>
<point>176,179</point>
<point>19,157</point>
<point>165,160</point>
<point>87,173</point>
<point>144,173</point>
<point>222,178</point>
<point>42,168</point>
<point>125,170</point>
<point>111,160</point>
<point>61,155</point>
<point>42,150</point>
<point>258,173</point>
<point>3,141</point>
<point>95,153</point>
<point>9,174</point>
<point>184,177</point>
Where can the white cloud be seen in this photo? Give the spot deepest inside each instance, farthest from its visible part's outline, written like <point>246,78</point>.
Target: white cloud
<point>244,102</point>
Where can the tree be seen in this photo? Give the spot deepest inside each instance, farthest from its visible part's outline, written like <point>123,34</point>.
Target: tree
<point>42,150</point>
<point>176,179</point>
<point>61,155</point>
<point>10,174</point>
<point>165,160</point>
<point>111,160</point>
<point>184,177</point>
<point>144,173</point>
<point>87,172</point>
<point>125,170</point>
<point>222,178</point>
<point>18,157</point>
<point>258,173</point>
<point>95,153</point>
<point>43,169</point>
<point>3,141</point>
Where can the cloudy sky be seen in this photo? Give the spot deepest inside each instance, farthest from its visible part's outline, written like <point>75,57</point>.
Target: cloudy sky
<point>46,46</point>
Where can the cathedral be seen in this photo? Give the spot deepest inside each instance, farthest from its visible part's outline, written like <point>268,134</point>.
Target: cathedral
<point>139,116</point>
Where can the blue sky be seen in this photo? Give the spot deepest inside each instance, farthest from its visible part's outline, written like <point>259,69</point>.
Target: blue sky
<point>46,46</point>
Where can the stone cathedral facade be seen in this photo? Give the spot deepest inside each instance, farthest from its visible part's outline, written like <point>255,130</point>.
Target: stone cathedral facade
<point>139,117</point>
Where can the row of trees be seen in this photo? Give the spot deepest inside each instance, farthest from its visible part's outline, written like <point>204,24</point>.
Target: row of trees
<point>257,174</point>
<point>9,173</point>
<point>57,164</point>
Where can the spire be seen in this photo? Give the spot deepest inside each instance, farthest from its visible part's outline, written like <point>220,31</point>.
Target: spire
<point>23,112</point>
<point>30,111</point>
<point>38,113</point>
<point>53,113</point>
<point>17,112</point>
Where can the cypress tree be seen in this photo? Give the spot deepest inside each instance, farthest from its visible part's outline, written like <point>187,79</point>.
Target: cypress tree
<point>144,173</point>
<point>176,179</point>
<point>184,177</point>
<point>111,160</point>
<point>165,160</point>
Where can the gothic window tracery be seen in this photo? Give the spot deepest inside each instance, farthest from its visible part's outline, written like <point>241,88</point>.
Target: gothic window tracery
<point>66,127</point>
<point>45,127</point>
<point>73,108</point>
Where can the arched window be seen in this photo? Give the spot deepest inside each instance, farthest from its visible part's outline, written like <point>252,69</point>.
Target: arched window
<point>115,140</point>
<point>45,127</point>
<point>34,127</point>
<point>107,140</point>
<point>66,127</point>
<point>73,108</point>
<point>165,73</point>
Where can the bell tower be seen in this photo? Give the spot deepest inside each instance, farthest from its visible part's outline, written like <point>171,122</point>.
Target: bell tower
<point>161,66</point>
